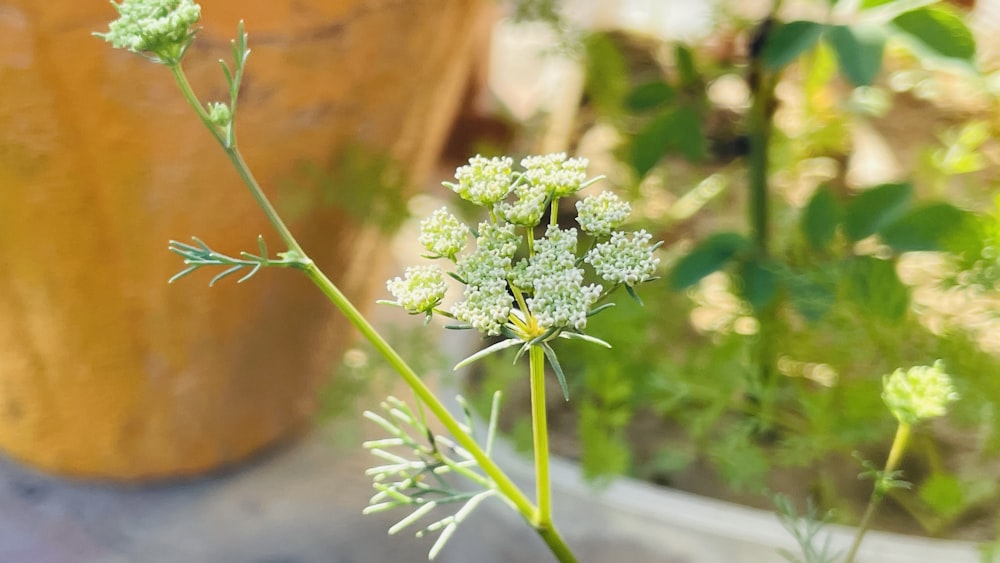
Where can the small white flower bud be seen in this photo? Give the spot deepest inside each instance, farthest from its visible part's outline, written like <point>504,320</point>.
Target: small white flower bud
<point>918,393</point>
<point>422,289</point>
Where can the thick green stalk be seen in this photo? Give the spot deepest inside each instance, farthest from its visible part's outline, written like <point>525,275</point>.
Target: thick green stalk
<point>760,124</point>
<point>540,435</point>
<point>503,483</point>
<point>899,444</point>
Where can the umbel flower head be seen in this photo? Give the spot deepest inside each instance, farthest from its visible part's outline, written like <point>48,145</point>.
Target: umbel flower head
<point>919,393</point>
<point>161,28</point>
<point>529,289</point>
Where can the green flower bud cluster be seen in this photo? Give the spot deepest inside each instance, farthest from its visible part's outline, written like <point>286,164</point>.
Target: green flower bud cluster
<point>422,289</point>
<point>543,292</point>
<point>600,214</point>
<point>160,27</point>
<point>625,260</point>
<point>443,235</point>
<point>219,114</point>
<point>919,393</point>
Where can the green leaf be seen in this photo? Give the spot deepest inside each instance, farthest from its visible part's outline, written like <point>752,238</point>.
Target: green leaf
<point>875,208</point>
<point>502,345</point>
<point>820,217</point>
<point>940,31</point>
<point>789,40</point>
<point>607,73</point>
<point>688,138</point>
<point>874,286</point>
<point>677,130</point>
<point>811,295</point>
<point>687,72</point>
<point>925,228</point>
<point>554,362</point>
<point>859,51</point>
<point>707,257</point>
<point>649,95</point>
<point>944,494</point>
<point>758,284</point>
<point>651,144</point>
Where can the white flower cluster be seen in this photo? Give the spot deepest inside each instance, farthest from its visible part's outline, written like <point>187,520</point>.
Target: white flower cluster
<point>918,393</point>
<point>557,175</point>
<point>484,181</point>
<point>162,27</point>
<point>528,208</point>
<point>558,296</point>
<point>548,285</point>
<point>443,235</point>
<point>487,304</point>
<point>602,213</point>
<point>422,289</point>
<point>624,260</point>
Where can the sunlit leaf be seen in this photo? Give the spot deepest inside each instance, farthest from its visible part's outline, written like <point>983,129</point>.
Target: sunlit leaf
<point>940,31</point>
<point>859,51</point>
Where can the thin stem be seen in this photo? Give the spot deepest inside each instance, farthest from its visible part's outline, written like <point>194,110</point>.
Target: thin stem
<point>899,444</point>
<point>237,159</point>
<point>540,434</point>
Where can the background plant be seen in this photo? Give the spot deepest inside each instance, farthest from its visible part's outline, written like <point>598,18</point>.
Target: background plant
<point>809,292</point>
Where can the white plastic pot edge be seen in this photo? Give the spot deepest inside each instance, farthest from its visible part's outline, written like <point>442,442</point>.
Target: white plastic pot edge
<point>642,512</point>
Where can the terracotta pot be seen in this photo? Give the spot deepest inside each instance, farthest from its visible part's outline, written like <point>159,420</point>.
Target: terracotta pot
<point>107,371</point>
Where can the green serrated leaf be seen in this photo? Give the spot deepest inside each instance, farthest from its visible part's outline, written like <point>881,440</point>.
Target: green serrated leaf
<point>649,95</point>
<point>875,208</point>
<point>789,40</point>
<point>821,217</point>
<point>708,256</point>
<point>925,228</point>
<point>859,51</point>
<point>940,31</point>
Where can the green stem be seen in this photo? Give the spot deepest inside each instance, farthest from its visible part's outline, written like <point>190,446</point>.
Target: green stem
<point>237,159</point>
<point>760,125</point>
<point>502,482</point>
<point>899,444</point>
<point>540,435</point>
